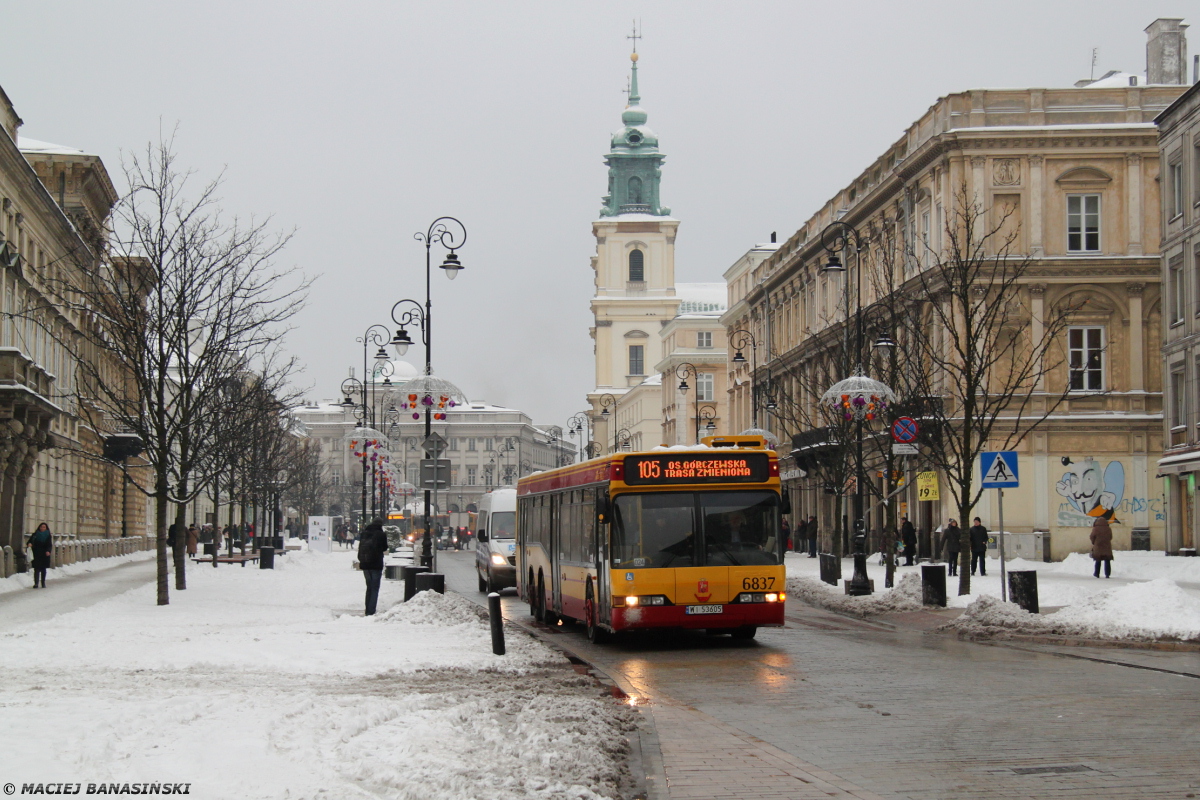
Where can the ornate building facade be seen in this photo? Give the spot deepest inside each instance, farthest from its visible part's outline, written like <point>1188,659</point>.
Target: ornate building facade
<point>1073,175</point>
<point>55,203</point>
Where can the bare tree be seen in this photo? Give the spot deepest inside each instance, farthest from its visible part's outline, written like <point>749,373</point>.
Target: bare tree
<point>983,356</point>
<point>186,298</point>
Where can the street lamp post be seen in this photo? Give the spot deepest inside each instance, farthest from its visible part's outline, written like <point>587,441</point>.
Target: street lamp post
<point>621,437</point>
<point>704,413</point>
<point>739,339</point>
<point>581,424</point>
<point>857,398</point>
<point>682,372</point>
<point>451,234</point>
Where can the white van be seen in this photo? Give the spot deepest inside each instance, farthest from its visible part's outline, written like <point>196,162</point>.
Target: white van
<point>496,540</point>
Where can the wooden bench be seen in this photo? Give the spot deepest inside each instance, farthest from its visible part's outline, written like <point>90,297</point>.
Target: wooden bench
<point>235,559</point>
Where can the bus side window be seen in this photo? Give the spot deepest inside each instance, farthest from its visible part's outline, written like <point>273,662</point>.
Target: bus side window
<point>587,528</point>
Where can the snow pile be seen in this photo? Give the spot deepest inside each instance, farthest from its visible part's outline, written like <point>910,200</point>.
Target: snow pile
<point>271,684</point>
<point>1142,565</point>
<point>906,596</point>
<point>431,608</point>
<point>1147,611</point>
<point>24,580</point>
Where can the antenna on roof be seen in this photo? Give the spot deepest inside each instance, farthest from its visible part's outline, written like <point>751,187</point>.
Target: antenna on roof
<point>1095,52</point>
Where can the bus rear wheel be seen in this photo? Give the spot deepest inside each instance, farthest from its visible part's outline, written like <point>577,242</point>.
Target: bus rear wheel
<point>595,634</point>
<point>744,632</point>
<point>539,608</point>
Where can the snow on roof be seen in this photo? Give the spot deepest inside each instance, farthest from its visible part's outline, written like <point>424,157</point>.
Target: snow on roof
<point>702,298</point>
<point>47,148</point>
<point>637,217</point>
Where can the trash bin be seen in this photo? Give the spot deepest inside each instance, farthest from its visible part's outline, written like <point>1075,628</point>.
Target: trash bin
<point>266,558</point>
<point>431,580</point>
<point>831,569</point>
<point>1139,539</point>
<point>210,549</point>
<point>1022,589</point>
<point>410,573</point>
<point>933,585</point>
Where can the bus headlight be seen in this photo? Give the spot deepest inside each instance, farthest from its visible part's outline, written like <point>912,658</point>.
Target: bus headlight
<point>772,597</point>
<point>499,560</point>
<point>762,597</point>
<point>631,600</point>
<point>644,600</point>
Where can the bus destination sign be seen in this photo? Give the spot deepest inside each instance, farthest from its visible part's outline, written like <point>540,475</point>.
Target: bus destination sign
<point>697,468</point>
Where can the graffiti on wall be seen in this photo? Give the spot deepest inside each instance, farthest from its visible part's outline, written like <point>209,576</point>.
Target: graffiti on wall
<point>1090,493</point>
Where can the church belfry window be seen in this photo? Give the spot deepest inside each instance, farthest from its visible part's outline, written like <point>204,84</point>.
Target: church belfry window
<point>637,266</point>
<point>635,190</point>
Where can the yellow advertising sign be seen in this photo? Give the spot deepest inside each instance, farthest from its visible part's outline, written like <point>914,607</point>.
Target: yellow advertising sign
<point>927,486</point>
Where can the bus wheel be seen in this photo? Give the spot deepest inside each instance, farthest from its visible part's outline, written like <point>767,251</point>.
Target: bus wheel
<point>530,588</point>
<point>483,587</point>
<point>595,634</point>
<point>745,632</point>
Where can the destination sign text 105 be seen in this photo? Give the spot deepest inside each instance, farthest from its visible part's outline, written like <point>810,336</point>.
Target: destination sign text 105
<point>697,468</point>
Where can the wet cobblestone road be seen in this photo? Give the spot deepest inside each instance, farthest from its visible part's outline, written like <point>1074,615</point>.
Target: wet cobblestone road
<point>832,707</point>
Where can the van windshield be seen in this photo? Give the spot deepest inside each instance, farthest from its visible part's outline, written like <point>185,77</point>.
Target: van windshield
<point>696,529</point>
<point>503,525</point>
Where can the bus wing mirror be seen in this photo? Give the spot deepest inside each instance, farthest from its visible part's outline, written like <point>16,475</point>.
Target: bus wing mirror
<point>786,503</point>
<point>482,535</point>
<point>602,507</point>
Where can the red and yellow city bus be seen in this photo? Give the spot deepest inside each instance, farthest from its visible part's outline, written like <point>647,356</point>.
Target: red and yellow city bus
<point>667,538</point>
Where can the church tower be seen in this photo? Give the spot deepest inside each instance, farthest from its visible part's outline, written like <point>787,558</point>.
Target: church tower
<point>634,267</point>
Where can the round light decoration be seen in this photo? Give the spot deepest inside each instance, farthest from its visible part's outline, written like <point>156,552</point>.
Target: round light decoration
<point>858,398</point>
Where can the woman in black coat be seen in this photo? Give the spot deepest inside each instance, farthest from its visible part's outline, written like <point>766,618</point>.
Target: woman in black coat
<point>951,542</point>
<point>41,542</point>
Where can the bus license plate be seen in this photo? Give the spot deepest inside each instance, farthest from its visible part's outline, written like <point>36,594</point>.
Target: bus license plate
<point>704,609</point>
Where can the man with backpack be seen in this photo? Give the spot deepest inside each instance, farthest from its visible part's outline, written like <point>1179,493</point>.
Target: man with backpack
<point>371,548</point>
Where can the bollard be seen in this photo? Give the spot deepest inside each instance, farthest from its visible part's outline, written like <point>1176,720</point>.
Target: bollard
<point>831,569</point>
<point>266,558</point>
<point>410,579</point>
<point>497,623</point>
<point>391,572</point>
<point>1022,589</point>
<point>431,580</point>
<point>933,585</point>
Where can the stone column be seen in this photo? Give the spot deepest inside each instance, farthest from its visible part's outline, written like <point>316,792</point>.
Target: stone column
<point>1137,354</point>
<point>1133,201</point>
<point>1037,325</point>
<point>1037,206</point>
<point>978,182</point>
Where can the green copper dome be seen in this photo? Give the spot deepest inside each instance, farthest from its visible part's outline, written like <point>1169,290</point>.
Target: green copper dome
<point>634,162</point>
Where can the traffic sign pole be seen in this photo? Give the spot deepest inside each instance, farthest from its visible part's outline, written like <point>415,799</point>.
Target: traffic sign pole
<point>1000,509</point>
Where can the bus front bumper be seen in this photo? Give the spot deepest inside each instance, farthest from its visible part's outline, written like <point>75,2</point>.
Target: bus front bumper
<point>732,615</point>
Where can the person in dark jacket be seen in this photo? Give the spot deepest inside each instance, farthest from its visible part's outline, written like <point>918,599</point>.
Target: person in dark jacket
<point>41,543</point>
<point>979,541</point>
<point>951,543</point>
<point>371,547</point>
<point>908,535</point>
<point>800,536</point>
<point>1101,537</point>
<point>812,537</point>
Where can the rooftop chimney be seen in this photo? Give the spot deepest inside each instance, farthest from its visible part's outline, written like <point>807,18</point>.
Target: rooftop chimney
<point>1166,52</point>
<point>772,237</point>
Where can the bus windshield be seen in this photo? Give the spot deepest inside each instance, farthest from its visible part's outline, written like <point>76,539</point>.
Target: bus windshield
<point>504,525</point>
<point>696,529</point>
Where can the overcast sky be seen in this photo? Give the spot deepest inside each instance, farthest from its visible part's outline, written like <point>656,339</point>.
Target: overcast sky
<point>357,124</point>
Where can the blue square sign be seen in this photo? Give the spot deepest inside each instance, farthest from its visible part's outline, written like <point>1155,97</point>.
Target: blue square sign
<point>999,469</point>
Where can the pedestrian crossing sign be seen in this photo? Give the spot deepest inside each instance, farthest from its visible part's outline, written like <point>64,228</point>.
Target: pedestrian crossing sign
<point>999,469</point>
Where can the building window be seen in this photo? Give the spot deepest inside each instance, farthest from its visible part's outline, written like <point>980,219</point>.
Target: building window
<point>704,387</point>
<point>637,266</point>
<point>704,339</point>
<point>471,475</point>
<point>1177,288</point>
<point>1175,186</point>
<point>925,242</point>
<point>1085,354</point>
<point>470,444</point>
<point>1083,223</point>
<point>1178,400</point>
<point>488,444</point>
<point>637,359</point>
<point>453,443</point>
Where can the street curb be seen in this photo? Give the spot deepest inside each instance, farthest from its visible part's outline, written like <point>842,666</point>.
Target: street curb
<point>1096,659</point>
<point>1075,641</point>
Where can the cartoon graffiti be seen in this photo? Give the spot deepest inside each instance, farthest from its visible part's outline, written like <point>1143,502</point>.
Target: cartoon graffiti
<point>1091,493</point>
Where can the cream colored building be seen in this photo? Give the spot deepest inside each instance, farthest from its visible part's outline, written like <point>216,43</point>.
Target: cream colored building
<point>693,344</point>
<point>1078,169</point>
<point>54,207</point>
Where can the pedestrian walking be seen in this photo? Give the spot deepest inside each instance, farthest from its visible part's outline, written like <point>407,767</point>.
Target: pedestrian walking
<point>908,535</point>
<point>979,542</point>
<point>951,543</point>
<point>371,547</point>
<point>193,538</point>
<point>41,545</point>
<point>173,534</point>
<point>1102,552</point>
<point>785,530</point>
<point>812,537</point>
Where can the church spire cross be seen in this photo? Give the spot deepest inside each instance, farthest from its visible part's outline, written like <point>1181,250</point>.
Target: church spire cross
<point>634,36</point>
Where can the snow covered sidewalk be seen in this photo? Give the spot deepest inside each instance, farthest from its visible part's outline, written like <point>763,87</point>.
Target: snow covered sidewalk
<point>24,580</point>
<point>1150,597</point>
<point>271,684</point>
